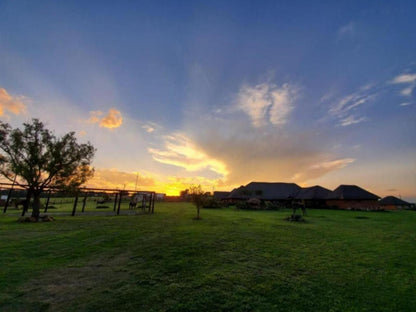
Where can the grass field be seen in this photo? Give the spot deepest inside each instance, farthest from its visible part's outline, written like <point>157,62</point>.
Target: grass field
<point>229,261</point>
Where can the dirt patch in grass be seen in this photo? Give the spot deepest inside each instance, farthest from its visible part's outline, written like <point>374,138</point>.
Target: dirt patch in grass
<point>53,290</point>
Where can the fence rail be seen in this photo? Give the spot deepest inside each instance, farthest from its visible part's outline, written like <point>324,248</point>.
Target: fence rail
<point>77,201</point>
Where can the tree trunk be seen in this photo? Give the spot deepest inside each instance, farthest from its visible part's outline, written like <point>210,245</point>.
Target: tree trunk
<point>26,203</point>
<point>197,212</point>
<point>36,205</point>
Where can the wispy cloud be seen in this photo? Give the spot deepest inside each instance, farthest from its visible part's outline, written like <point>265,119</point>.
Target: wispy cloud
<point>405,104</point>
<point>151,127</point>
<point>321,168</point>
<point>347,30</point>
<point>351,120</point>
<point>181,151</point>
<point>407,91</point>
<point>346,108</point>
<point>112,119</point>
<point>11,104</point>
<point>267,103</point>
<point>148,128</point>
<point>406,79</point>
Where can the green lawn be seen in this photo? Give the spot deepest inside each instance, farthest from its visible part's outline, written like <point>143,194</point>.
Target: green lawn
<point>229,261</point>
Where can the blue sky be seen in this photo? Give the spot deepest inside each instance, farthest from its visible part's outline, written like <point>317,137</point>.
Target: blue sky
<point>221,93</point>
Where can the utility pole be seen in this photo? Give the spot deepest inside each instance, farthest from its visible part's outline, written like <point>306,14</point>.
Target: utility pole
<point>137,179</point>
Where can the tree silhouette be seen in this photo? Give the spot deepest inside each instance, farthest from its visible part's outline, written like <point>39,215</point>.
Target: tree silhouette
<point>197,196</point>
<point>39,159</point>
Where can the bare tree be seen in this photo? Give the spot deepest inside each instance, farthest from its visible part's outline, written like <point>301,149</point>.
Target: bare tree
<point>197,196</point>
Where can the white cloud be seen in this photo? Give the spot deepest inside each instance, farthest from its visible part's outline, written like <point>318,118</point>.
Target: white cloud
<point>148,128</point>
<point>346,109</point>
<point>405,78</point>
<point>409,79</point>
<point>350,102</point>
<point>347,30</point>
<point>405,104</point>
<point>407,91</point>
<point>267,103</point>
<point>351,120</point>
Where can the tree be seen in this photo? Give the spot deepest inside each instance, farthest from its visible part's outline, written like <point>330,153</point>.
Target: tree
<point>197,196</point>
<point>39,159</point>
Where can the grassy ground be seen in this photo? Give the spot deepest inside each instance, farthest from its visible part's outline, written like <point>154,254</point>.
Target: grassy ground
<point>228,261</point>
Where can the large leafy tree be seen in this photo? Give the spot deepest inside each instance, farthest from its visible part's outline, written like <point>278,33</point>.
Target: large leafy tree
<point>36,159</point>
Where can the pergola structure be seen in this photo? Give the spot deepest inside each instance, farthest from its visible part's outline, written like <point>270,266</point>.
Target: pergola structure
<point>81,195</point>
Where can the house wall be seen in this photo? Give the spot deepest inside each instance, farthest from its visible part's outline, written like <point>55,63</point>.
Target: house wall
<point>389,207</point>
<point>394,207</point>
<point>353,204</point>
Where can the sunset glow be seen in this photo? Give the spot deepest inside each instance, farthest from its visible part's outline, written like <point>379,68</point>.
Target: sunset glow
<point>177,94</point>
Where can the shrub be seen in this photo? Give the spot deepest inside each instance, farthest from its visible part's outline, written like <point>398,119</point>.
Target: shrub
<point>212,203</point>
<point>273,206</point>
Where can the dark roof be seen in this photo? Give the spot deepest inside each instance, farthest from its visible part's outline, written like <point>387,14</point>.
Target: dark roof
<point>391,200</point>
<point>351,192</point>
<point>266,191</point>
<point>220,195</point>
<point>313,192</point>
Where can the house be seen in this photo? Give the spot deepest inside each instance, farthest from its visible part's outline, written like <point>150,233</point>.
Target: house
<point>352,197</point>
<point>313,197</point>
<point>220,195</point>
<point>266,191</point>
<point>393,203</point>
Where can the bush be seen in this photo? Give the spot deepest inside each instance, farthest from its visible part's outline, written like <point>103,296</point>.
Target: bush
<point>212,203</point>
<point>273,205</point>
<point>251,204</point>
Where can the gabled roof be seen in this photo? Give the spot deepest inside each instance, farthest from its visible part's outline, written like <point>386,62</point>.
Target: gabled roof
<point>266,191</point>
<point>313,192</point>
<point>220,195</point>
<point>391,200</point>
<point>351,192</point>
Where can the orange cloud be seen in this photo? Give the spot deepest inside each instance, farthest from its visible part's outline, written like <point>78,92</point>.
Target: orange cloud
<point>180,151</point>
<point>113,119</point>
<point>13,104</point>
<point>113,178</point>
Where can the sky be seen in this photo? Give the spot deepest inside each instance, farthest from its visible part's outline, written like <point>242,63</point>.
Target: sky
<point>220,93</point>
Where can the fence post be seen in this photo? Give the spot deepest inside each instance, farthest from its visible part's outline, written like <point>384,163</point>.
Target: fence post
<point>9,195</point>
<point>47,201</point>
<point>153,203</point>
<point>119,204</point>
<point>115,202</point>
<point>75,205</point>
<point>84,201</point>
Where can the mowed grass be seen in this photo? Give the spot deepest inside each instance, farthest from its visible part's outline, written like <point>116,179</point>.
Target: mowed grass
<point>229,261</point>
